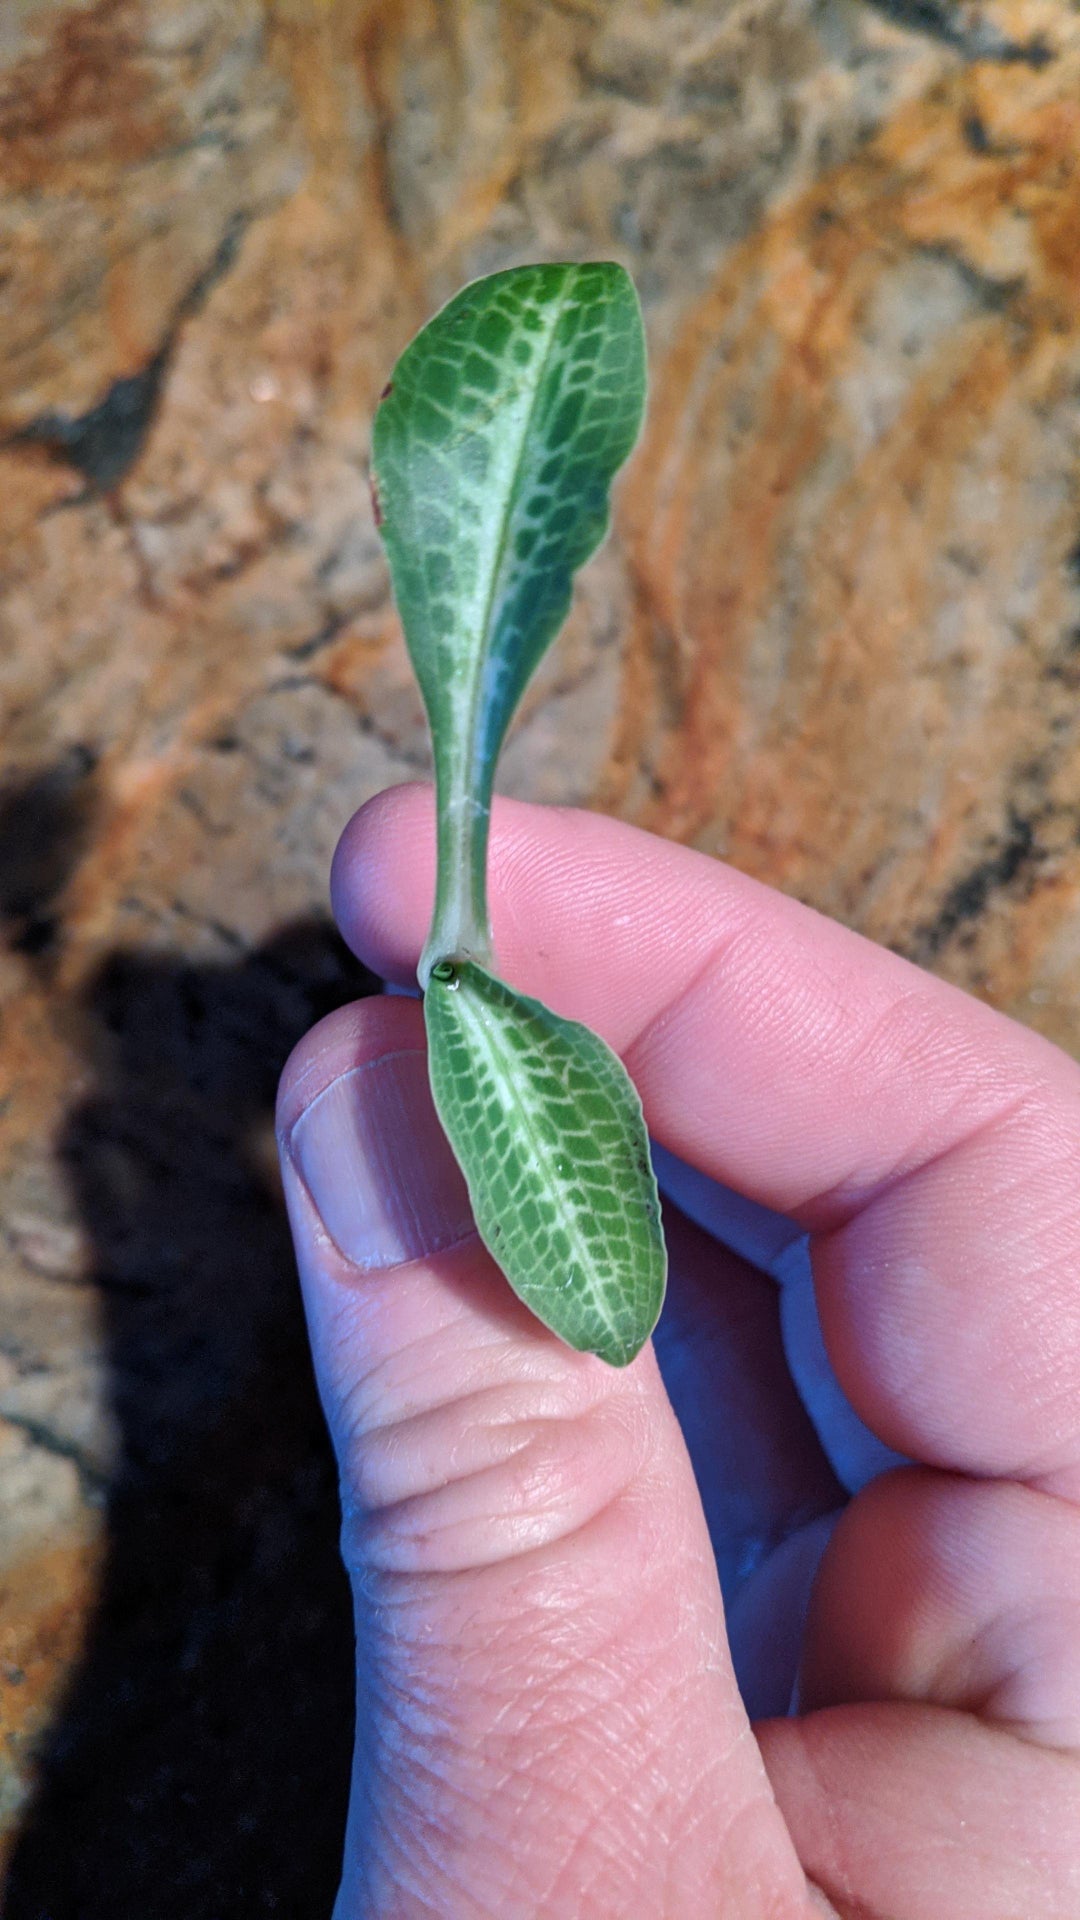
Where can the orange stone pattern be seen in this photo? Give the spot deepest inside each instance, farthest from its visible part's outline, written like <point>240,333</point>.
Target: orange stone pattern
<point>834,639</point>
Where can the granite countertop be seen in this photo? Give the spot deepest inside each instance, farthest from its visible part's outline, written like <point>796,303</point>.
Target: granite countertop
<point>835,639</point>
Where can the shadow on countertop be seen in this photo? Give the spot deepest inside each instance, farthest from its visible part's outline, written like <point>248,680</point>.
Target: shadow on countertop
<point>198,1768</point>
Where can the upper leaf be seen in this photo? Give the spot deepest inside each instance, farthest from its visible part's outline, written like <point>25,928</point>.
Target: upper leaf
<point>547,1128</point>
<point>493,453</point>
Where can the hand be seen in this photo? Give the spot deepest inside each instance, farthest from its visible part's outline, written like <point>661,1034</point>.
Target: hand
<point>548,1718</point>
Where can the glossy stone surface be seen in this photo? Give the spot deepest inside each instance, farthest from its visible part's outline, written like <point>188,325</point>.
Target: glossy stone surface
<point>836,638</point>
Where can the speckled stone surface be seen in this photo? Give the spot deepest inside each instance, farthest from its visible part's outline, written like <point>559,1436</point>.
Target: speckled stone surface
<point>836,639</point>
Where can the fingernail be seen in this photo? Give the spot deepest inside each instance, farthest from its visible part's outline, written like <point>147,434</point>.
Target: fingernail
<point>378,1167</point>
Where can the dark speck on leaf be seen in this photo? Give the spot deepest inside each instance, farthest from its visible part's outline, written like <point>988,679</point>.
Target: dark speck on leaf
<point>387,390</point>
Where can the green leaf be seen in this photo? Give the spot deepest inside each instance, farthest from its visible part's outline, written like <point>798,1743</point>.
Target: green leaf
<point>493,453</point>
<point>548,1130</point>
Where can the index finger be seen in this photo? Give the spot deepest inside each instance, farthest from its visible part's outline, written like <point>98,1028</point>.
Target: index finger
<point>930,1145</point>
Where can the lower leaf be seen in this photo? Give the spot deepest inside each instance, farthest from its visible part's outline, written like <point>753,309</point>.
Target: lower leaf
<point>547,1128</point>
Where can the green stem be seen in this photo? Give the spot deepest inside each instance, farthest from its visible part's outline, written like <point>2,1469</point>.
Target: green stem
<point>459,927</point>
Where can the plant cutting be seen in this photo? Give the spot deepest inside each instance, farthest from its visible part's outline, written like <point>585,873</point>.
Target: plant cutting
<point>495,445</point>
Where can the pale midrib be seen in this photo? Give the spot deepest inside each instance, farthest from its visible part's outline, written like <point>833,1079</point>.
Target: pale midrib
<point>501,1067</point>
<point>481,657</point>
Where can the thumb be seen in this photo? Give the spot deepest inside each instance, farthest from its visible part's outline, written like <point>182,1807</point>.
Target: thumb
<point>547,1718</point>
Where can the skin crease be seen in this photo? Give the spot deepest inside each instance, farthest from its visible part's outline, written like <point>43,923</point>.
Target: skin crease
<point>548,1722</point>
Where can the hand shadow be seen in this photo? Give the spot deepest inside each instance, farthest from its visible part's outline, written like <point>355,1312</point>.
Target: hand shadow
<point>198,1767</point>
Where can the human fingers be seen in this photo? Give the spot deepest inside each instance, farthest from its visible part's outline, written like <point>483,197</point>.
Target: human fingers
<point>912,1812</point>
<point>547,1716</point>
<point>929,1144</point>
<point>769,1494</point>
<point>957,1592</point>
<point>935,1773</point>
